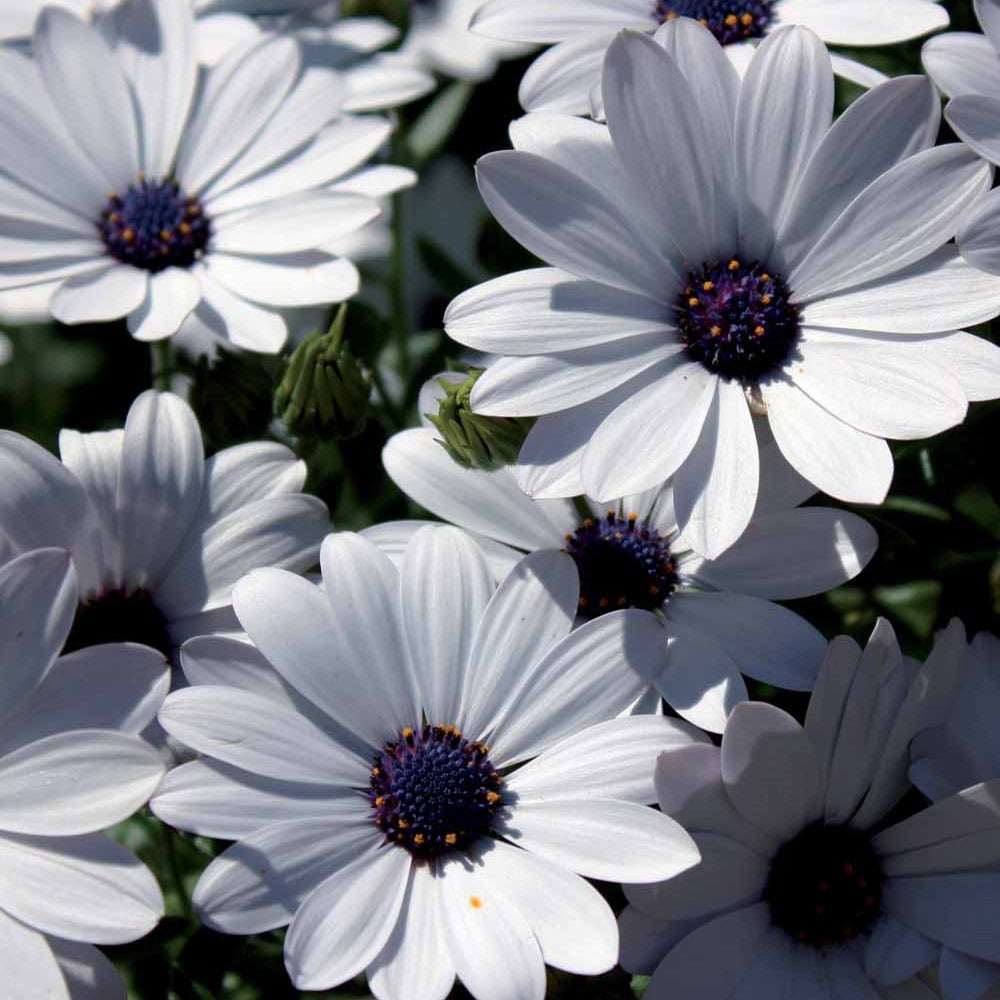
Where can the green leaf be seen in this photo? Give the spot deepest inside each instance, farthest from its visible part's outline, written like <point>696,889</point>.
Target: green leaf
<point>978,506</point>
<point>639,984</point>
<point>431,131</point>
<point>915,604</point>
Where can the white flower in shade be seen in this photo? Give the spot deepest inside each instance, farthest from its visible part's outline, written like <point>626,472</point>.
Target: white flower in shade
<point>439,39</point>
<point>964,751</point>
<point>967,68</point>
<point>71,765</point>
<point>567,77</point>
<point>722,252</point>
<point>136,190</point>
<point>158,534</point>
<point>812,881</point>
<point>418,783</point>
<point>718,616</point>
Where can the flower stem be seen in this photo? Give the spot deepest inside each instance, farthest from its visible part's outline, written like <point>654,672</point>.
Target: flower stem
<point>162,363</point>
<point>397,288</point>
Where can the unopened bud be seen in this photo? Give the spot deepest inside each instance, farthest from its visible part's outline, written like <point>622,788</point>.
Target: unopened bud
<point>325,390</point>
<point>474,440</point>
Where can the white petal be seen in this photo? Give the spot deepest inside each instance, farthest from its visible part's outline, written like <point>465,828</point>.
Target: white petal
<point>547,21</point>
<point>645,440</point>
<point>876,386</point>
<point>233,318</point>
<point>491,945</point>
<point>159,488</point>
<point>563,78</point>
<point>973,117</point>
<point>155,42</point>
<point>170,297</point>
<point>832,455</point>
<point>794,553</point>
<point>38,594</point>
<point>664,146</point>
<point>611,760</point>
<point>699,680</point>
<point>545,309</point>
<point>645,940</point>
<point>438,644</point>
<point>859,23</point>
<point>785,109</point>
<point>979,236</point>
<point>533,608</point>
<point>301,279</point>
<point>879,130</point>
<point>213,799</point>
<point>88,971</point>
<point>895,952</point>
<point>489,503</point>
<point>244,473</point>
<point>962,63</point>
<point>603,838</point>
<point>30,968</point>
<point>346,922</point>
<point>770,769</point>
<point>570,224</point>
<point>237,98</point>
<point>766,641</point>
<point>106,895</point>
<point>106,293</point>
<point>259,735</point>
<point>89,88</point>
<point>574,926</point>
<point>964,977</point>
<point>714,959</point>
<point>76,782</point>
<point>900,218</point>
<point>594,674</point>
<point>415,962</point>
<point>715,489</point>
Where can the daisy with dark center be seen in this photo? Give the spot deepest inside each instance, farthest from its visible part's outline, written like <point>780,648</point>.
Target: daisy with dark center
<point>418,770</point>
<point>139,192</point>
<point>567,78</point>
<point>718,616</point>
<point>823,875</point>
<point>772,265</point>
<point>158,534</point>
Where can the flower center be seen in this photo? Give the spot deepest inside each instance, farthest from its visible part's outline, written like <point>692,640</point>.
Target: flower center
<point>433,791</point>
<point>622,564</point>
<point>154,225</point>
<point>119,616</point>
<point>736,319</point>
<point>825,886</point>
<point>729,20</point>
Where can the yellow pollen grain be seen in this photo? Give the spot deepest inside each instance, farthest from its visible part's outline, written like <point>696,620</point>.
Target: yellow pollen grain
<point>475,902</point>
<point>765,277</point>
<point>672,16</point>
<point>734,265</point>
<point>380,801</point>
<point>634,516</point>
<point>747,19</point>
<point>716,331</point>
<point>708,285</point>
<point>766,299</point>
<point>759,331</point>
<point>692,301</point>
<point>128,235</point>
<point>582,602</point>
<point>165,235</point>
<point>184,228</point>
<point>418,839</point>
<point>493,798</point>
<point>451,839</point>
<point>407,733</point>
<point>731,19</point>
<point>604,602</point>
<point>404,824</point>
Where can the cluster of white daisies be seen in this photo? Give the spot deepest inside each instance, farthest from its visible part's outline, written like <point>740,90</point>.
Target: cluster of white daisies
<point>424,754</point>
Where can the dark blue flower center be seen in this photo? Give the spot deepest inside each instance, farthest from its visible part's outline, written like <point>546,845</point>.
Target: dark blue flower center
<point>729,20</point>
<point>622,564</point>
<point>736,319</point>
<point>154,225</point>
<point>825,886</point>
<point>433,792</point>
<point>119,616</point>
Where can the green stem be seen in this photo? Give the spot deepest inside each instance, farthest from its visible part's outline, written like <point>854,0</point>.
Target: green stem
<point>163,364</point>
<point>173,863</point>
<point>397,288</point>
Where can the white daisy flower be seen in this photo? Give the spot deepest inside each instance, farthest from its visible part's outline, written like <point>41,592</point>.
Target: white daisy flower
<point>439,39</point>
<point>719,618</point>
<point>71,765</point>
<point>158,534</point>
<point>567,77</point>
<point>812,882</point>
<point>377,784</point>
<point>138,191</point>
<point>967,68</point>
<point>768,263</point>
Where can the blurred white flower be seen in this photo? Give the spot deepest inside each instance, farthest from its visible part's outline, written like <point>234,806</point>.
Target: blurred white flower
<point>222,195</point>
<point>71,765</point>
<point>420,687</point>
<point>765,263</point>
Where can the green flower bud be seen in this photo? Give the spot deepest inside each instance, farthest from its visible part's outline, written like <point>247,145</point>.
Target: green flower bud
<point>473,440</point>
<point>325,390</point>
